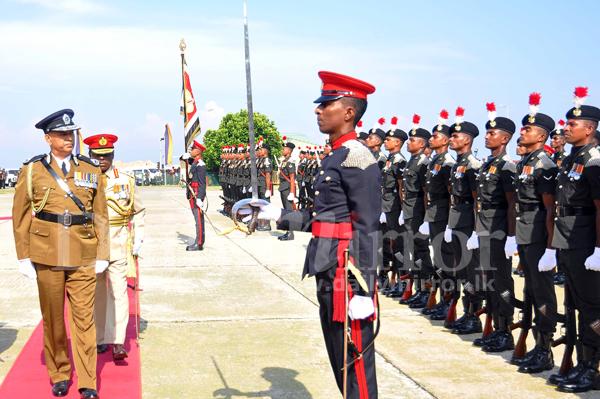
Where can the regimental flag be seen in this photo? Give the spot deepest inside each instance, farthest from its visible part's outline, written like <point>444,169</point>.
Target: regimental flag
<point>188,109</point>
<point>168,145</point>
<point>79,145</point>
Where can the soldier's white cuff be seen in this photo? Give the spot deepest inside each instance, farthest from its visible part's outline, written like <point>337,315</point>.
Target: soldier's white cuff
<point>593,261</point>
<point>548,260</point>
<point>101,266</point>
<point>360,307</point>
<point>473,242</point>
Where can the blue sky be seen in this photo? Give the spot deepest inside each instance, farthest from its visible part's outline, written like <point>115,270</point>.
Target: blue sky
<point>117,63</point>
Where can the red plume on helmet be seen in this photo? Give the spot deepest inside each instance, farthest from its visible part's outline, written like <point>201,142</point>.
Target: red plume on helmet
<point>580,96</point>
<point>458,117</point>
<point>491,109</point>
<point>416,120</point>
<point>561,123</point>
<point>394,121</point>
<point>534,101</point>
<point>379,124</point>
<point>443,117</point>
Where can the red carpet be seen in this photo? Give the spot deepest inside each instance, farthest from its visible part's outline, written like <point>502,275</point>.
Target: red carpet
<point>28,377</point>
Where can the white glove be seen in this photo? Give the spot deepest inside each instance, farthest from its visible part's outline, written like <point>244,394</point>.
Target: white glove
<point>268,194</point>
<point>360,307</point>
<point>250,189</point>
<point>401,218</point>
<point>291,197</point>
<point>548,260</point>
<point>267,211</point>
<point>448,234</point>
<point>303,184</point>
<point>200,203</point>
<point>137,244</point>
<point>510,247</point>
<point>382,218</point>
<point>101,266</point>
<point>244,190</point>
<point>424,229</point>
<point>27,268</point>
<point>185,156</point>
<point>593,261</point>
<point>473,242</point>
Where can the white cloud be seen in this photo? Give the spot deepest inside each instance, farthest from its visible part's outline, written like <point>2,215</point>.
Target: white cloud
<point>78,6</point>
<point>210,116</point>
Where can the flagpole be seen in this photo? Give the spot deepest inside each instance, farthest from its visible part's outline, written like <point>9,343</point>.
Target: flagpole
<point>182,47</point>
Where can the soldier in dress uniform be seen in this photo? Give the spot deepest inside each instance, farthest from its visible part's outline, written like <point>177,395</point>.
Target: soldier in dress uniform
<point>535,184</point>
<point>302,196</point>
<point>596,139</point>
<point>265,187</point>
<point>345,213</point>
<point>496,229</point>
<point>287,182</point>
<point>63,246</point>
<point>239,172</point>
<point>196,193</point>
<point>375,141</point>
<point>414,204</point>
<point>360,135</point>
<point>125,207</point>
<point>327,148</point>
<point>391,232</point>
<point>576,225</point>
<point>558,142</point>
<point>461,225</point>
<point>437,213</point>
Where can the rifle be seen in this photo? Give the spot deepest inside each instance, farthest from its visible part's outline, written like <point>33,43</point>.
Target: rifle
<point>488,327</point>
<point>525,323</point>
<point>432,301</point>
<point>455,295</point>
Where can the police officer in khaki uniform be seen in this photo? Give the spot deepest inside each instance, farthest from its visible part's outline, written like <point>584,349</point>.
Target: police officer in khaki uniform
<point>63,246</point>
<point>126,214</point>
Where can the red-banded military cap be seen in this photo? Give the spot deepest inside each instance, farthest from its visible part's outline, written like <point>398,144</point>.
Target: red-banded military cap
<point>199,146</point>
<point>101,143</point>
<point>336,86</point>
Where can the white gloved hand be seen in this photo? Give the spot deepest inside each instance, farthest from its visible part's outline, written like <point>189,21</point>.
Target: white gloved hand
<point>303,184</point>
<point>244,190</point>
<point>382,218</point>
<point>137,244</point>
<point>473,242</point>
<point>27,269</point>
<point>291,197</point>
<point>401,218</point>
<point>548,260</point>
<point>510,247</point>
<point>593,261</point>
<point>200,203</point>
<point>268,194</point>
<point>448,234</point>
<point>267,211</point>
<point>101,266</point>
<point>424,229</point>
<point>360,307</point>
<point>250,189</point>
<point>185,156</point>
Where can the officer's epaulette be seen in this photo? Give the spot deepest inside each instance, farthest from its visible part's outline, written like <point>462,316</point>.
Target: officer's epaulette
<point>88,160</point>
<point>594,158</point>
<point>544,161</point>
<point>398,157</point>
<point>34,159</point>
<point>474,162</point>
<point>448,160</point>
<point>359,156</point>
<point>508,163</point>
<point>201,162</point>
<point>423,160</point>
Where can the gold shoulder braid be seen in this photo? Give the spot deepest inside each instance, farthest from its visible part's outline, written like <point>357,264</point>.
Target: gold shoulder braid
<point>125,212</point>
<point>30,191</point>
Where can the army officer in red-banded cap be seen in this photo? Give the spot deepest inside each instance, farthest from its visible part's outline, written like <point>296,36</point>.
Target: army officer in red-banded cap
<point>345,215</point>
<point>196,192</point>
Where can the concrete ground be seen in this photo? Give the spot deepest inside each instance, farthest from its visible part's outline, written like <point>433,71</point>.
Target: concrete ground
<point>235,320</point>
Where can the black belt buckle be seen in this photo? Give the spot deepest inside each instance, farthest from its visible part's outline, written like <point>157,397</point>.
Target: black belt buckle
<point>452,200</point>
<point>403,195</point>
<point>428,197</point>
<point>557,210</point>
<point>67,219</point>
<point>517,207</point>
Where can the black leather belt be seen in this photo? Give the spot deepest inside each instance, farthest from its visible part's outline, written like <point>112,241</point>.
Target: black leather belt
<point>456,200</point>
<point>485,206</point>
<point>437,197</point>
<point>574,211</point>
<point>67,219</point>
<point>406,196</point>
<point>520,208</point>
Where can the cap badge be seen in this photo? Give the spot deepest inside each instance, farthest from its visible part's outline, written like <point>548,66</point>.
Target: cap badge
<point>457,128</point>
<point>439,128</point>
<point>66,119</point>
<point>392,133</point>
<point>322,85</point>
<point>102,141</point>
<point>493,123</point>
<point>413,132</point>
<point>577,112</point>
<point>531,119</point>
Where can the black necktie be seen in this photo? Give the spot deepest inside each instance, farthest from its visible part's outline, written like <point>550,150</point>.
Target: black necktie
<point>64,169</point>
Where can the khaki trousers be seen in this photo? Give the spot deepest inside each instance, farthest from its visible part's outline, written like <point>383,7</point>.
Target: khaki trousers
<point>112,304</point>
<point>80,284</point>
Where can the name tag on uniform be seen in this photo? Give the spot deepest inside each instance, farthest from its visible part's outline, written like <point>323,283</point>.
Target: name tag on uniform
<point>576,171</point>
<point>87,180</point>
<point>460,171</point>
<point>121,191</point>
<point>436,169</point>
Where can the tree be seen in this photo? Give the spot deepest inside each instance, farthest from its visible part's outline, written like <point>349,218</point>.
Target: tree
<point>233,131</point>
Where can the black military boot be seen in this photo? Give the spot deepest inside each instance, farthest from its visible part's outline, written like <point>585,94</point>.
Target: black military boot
<point>383,282</point>
<point>398,290</point>
<point>411,299</point>
<point>518,361</point>
<point>556,379</point>
<point>461,319</point>
<point>587,378</point>
<point>503,341</point>
<point>483,341</point>
<point>542,359</point>
<point>284,237</point>
<point>559,278</point>
<point>441,312</point>
<point>421,301</point>
<point>472,324</point>
<point>438,306</point>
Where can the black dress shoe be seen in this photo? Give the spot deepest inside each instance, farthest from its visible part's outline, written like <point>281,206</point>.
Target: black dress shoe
<point>88,393</point>
<point>484,341</point>
<point>60,388</point>
<point>413,298</point>
<point>441,313</point>
<point>518,361</point>
<point>559,278</point>
<point>543,360</point>
<point>289,236</point>
<point>586,379</point>
<point>503,341</point>
<point>398,290</point>
<point>471,326</point>
<point>283,237</point>
<point>462,319</point>
<point>556,379</point>
<point>421,301</point>
<point>266,227</point>
<point>194,247</point>
<point>102,348</point>
<point>434,309</point>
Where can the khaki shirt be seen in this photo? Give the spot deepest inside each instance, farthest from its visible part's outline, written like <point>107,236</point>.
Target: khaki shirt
<point>120,188</point>
<point>51,243</point>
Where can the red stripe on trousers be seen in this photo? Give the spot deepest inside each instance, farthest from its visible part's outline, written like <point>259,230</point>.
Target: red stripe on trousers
<point>359,366</point>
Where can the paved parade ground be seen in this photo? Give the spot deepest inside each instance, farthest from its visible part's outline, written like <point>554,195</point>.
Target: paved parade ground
<point>236,320</point>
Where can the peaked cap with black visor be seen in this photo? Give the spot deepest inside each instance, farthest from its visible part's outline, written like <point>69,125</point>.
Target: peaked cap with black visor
<point>336,86</point>
<point>59,121</point>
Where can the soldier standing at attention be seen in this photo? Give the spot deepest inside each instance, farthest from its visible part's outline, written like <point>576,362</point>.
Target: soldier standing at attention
<point>535,184</point>
<point>125,206</point>
<point>265,168</point>
<point>239,173</point>
<point>345,213</point>
<point>414,204</point>
<point>577,235</point>
<point>558,142</point>
<point>300,177</point>
<point>63,246</point>
<point>196,193</point>
<point>287,182</point>
<point>438,210</point>
<point>496,228</point>
<point>461,225</point>
<point>375,141</point>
